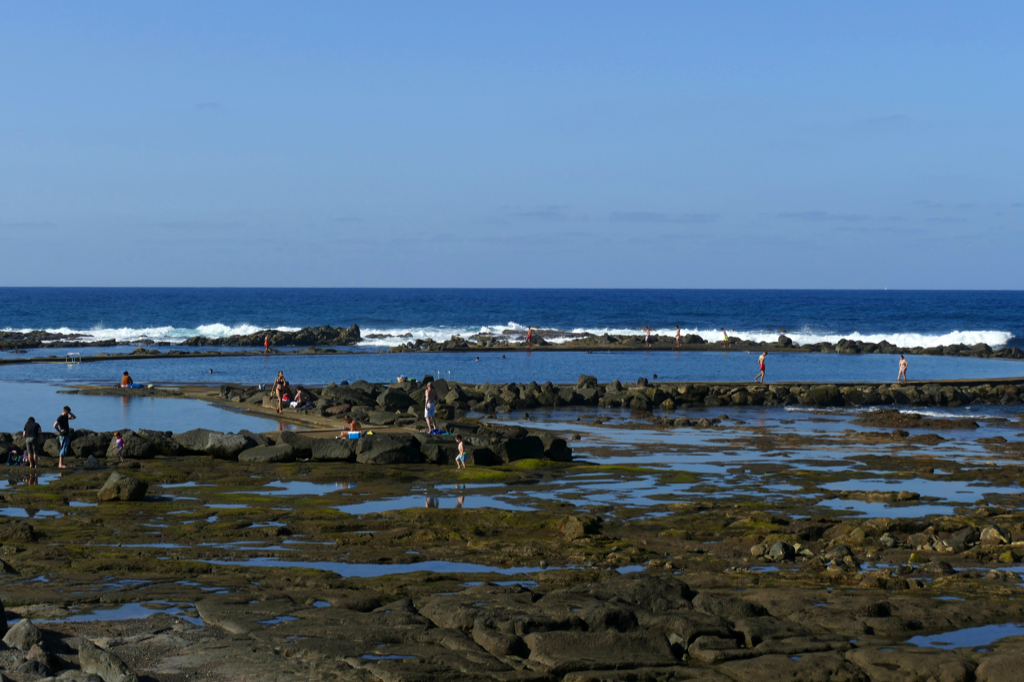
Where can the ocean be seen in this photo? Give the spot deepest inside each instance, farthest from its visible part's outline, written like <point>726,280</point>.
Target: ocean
<point>388,317</point>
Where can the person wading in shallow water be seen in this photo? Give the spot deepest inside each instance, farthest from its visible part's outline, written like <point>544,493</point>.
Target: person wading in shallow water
<point>64,434</point>
<point>760,363</point>
<point>902,376</point>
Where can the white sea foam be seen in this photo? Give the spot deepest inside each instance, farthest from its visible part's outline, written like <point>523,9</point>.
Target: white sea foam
<point>516,332</point>
<point>160,334</point>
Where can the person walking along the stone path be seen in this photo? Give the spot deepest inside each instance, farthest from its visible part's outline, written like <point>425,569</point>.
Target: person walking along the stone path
<point>902,376</point>
<point>32,432</point>
<point>431,407</point>
<point>64,435</point>
<point>760,363</point>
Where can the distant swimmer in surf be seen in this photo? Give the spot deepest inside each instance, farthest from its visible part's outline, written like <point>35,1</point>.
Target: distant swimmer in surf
<point>760,363</point>
<point>902,376</point>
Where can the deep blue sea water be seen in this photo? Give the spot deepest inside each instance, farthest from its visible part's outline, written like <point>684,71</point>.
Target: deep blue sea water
<point>906,318</point>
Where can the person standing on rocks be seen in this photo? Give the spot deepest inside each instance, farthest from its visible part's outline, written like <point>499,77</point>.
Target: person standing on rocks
<point>31,432</point>
<point>725,341</point>
<point>902,376</point>
<point>529,338</point>
<point>677,336</point>
<point>647,336</point>
<point>431,406</point>
<point>266,344</point>
<point>64,435</point>
<point>760,363</point>
<point>280,385</point>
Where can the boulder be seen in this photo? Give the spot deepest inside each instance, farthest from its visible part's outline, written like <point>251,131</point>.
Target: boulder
<point>97,661</point>
<point>135,446</point>
<point>122,487</point>
<point>825,395</point>
<point>219,445</point>
<point>586,381</point>
<point>566,651</point>
<point>16,530</point>
<point>513,449</point>
<point>23,635</point>
<point>3,620</point>
<point>388,448</point>
<point>268,454</point>
<point>333,450</point>
<point>93,463</point>
<point>392,400</point>
<point>90,444</point>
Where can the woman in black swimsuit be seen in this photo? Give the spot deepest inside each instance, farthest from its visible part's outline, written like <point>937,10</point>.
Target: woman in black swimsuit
<point>280,384</point>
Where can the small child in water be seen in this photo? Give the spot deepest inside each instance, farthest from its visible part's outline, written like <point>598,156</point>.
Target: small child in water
<point>119,443</point>
<point>460,459</point>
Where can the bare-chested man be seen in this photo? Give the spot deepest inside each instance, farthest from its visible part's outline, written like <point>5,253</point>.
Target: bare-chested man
<point>431,406</point>
<point>760,363</point>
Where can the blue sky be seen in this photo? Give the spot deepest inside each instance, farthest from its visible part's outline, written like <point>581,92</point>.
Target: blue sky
<point>542,144</point>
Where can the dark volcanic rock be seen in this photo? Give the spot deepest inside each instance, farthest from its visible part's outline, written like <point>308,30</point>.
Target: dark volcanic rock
<point>307,336</point>
<point>122,487</point>
<point>388,448</point>
<point>268,454</point>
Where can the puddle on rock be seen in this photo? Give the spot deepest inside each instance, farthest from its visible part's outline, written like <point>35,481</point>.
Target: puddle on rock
<point>969,637</point>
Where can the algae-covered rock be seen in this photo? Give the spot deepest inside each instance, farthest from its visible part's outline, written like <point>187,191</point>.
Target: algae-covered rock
<point>15,530</point>
<point>575,527</point>
<point>122,487</point>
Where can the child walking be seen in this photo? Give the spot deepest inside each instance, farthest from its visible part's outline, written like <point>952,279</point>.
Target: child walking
<point>460,459</point>
<point>119,444</point>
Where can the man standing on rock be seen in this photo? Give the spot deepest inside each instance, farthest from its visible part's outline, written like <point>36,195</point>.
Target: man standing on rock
<point>647,336</point>
<point>431,408</point>
<point>64,434</point>
<point>677,336</point>
<point>529,338</point>
<point>760,363</point>
<point>902,376</point>
<point>266,344</point>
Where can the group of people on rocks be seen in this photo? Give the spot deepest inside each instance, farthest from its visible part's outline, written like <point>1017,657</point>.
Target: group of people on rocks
<point>33,431</point>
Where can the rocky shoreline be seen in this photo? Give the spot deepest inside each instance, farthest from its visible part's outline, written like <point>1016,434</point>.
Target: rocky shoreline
<point>325,339</point>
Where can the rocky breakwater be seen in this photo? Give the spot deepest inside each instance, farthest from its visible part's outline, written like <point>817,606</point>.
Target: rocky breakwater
<point>13,340</point>
<point>485,445</point>
<point>307,336</point>
<point>692,342</point>
<point>833,395</point>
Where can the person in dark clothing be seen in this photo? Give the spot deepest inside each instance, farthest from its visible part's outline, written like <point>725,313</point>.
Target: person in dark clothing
<point>32,432</point>
<point>64,433</point>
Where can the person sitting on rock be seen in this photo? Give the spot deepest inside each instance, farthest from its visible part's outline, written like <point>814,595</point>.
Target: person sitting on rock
<point>353,427</point>
<point>126,380</point>
<point>301,397</point>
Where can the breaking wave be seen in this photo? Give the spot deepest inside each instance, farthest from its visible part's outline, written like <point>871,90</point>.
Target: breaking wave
<point>388,337</point>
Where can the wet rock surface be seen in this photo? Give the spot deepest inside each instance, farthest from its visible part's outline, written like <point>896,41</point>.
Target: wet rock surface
<point>732,551</point>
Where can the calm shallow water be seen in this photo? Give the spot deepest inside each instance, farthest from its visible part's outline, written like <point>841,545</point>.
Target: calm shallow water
<point>558,367</point>
<point>19,400</point>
